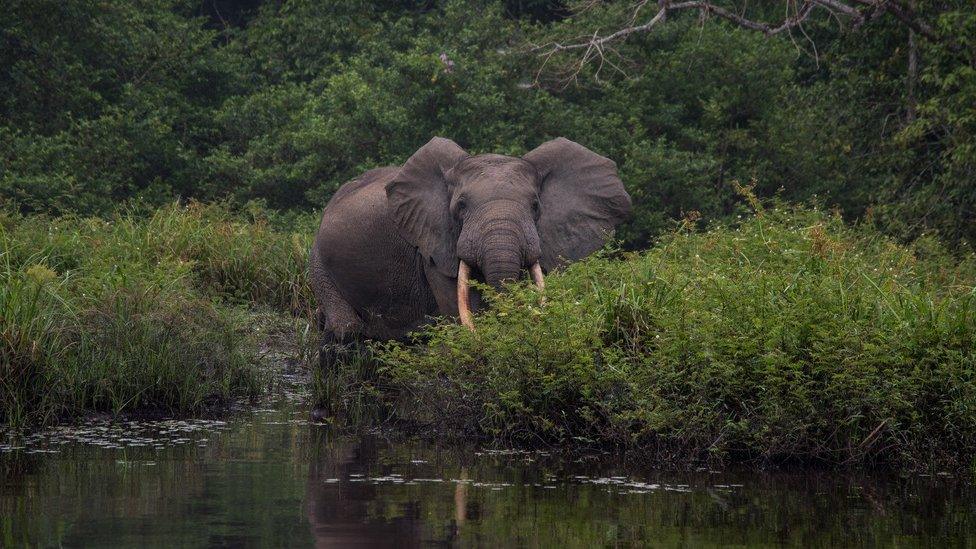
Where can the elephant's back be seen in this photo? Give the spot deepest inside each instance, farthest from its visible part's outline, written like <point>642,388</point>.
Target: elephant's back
<point>359,207</point>
<point>362,251</point>
<point>376,178</point>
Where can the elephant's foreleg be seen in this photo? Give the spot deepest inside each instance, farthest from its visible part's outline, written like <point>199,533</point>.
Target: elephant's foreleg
<point>333,349</point>
<point>337,321</point>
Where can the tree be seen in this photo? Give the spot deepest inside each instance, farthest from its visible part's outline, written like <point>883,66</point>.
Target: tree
<point>599,47</point>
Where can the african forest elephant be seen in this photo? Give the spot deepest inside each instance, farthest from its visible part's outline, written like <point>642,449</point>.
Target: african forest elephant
<point>399,244</point>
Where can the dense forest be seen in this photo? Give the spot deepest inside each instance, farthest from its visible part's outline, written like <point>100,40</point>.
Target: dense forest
<point>277,103</point>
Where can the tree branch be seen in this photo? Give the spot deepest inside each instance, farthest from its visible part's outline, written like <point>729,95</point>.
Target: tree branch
<point>702,6</point>
<point>908,16</point>
<point>594,47</point>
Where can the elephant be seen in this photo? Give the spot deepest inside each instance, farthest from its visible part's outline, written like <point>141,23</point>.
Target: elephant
<point>398,245</point>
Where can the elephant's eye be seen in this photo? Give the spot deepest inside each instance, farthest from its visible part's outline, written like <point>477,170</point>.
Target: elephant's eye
<point>461,206</point>
<point>535,207</point>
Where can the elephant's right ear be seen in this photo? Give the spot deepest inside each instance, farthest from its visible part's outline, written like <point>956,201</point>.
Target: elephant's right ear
<point>419,198</point>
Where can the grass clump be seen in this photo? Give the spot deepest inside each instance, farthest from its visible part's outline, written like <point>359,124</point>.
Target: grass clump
<point>353,393</point>
<point>136,313</point>
<point>786,337</point>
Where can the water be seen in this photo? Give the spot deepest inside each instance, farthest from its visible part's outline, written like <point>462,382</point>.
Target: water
<point>267,477</point>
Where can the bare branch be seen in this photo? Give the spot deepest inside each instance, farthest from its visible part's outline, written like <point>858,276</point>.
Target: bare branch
<point>595,46</point>
<point>597,40</point>
<point>706,8</point>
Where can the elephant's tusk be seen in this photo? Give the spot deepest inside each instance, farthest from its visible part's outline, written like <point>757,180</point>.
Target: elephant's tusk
<point>539,280</point>
<point>537,277</point>
<point>464,311</point>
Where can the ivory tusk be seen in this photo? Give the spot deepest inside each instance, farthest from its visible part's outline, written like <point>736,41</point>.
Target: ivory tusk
<point>539,280</point>
<point>537,277</point>
<point>464,311</point>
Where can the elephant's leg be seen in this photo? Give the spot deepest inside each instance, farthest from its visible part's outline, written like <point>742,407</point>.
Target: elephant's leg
<point>333,348</point>
<point>341,331</point>
<point>338,323</point>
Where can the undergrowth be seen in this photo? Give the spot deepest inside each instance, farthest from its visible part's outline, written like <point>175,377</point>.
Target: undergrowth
<point>136,313</point>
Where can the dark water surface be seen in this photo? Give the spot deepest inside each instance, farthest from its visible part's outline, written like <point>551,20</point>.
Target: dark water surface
<point>268,478</point>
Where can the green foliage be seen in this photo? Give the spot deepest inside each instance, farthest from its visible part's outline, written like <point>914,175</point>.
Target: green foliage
<point>102,103</point>
<point>938,190</point>
<point>135,313</point>
<point>354,394</point>
<point>787,336</point>
<point>106,104</point>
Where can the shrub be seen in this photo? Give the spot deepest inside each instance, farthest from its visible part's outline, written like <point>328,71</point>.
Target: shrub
<point>787,336</point>
<point>137,313</point>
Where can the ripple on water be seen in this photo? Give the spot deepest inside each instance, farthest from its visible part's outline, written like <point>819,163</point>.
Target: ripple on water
<point>417,473</point>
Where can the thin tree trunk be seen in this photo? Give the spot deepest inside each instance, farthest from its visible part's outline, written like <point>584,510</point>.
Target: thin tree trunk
<point>912,75</point>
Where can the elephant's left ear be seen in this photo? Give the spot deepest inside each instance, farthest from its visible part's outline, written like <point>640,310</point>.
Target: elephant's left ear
<point>582,200</point>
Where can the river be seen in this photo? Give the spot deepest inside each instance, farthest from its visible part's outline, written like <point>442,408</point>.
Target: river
<point>265,476</point>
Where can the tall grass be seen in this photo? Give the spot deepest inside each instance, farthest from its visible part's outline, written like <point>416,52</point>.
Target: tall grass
<point>134,312</point>
<point>785,337</point>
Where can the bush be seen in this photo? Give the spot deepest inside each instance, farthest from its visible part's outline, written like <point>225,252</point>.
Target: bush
<point>785,337</point>
<point>136,313</point>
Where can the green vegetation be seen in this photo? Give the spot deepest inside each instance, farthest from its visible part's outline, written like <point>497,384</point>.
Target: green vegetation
<point>135,313</point>
<point>784,337</point>
<point>788,335</point>
<point>281,102</point>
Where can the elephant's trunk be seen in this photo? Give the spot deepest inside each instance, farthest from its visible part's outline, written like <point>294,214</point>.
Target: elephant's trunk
<point>501,258</point>
<point>500,254</point>
<point>499,272</point>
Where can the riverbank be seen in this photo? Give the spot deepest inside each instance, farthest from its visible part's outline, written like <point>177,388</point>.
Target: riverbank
<point>179,482</point>
<point>136,313</point>
<point>786,337</point>
<point>266,476</point>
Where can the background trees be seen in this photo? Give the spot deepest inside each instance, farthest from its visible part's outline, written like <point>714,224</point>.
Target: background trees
<point>280,102</point>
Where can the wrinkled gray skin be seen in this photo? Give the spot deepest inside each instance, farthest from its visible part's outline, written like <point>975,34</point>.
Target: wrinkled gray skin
<point>386,255</point>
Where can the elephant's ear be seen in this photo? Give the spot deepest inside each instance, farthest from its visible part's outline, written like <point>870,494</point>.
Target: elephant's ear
<point>582,200</point>
<point>419,197</point>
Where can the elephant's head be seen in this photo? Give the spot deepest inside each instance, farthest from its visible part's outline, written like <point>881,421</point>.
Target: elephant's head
<point>491,217</point>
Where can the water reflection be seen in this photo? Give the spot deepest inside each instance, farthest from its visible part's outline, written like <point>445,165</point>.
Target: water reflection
<point>339,504</point>
<point>269,478</point>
